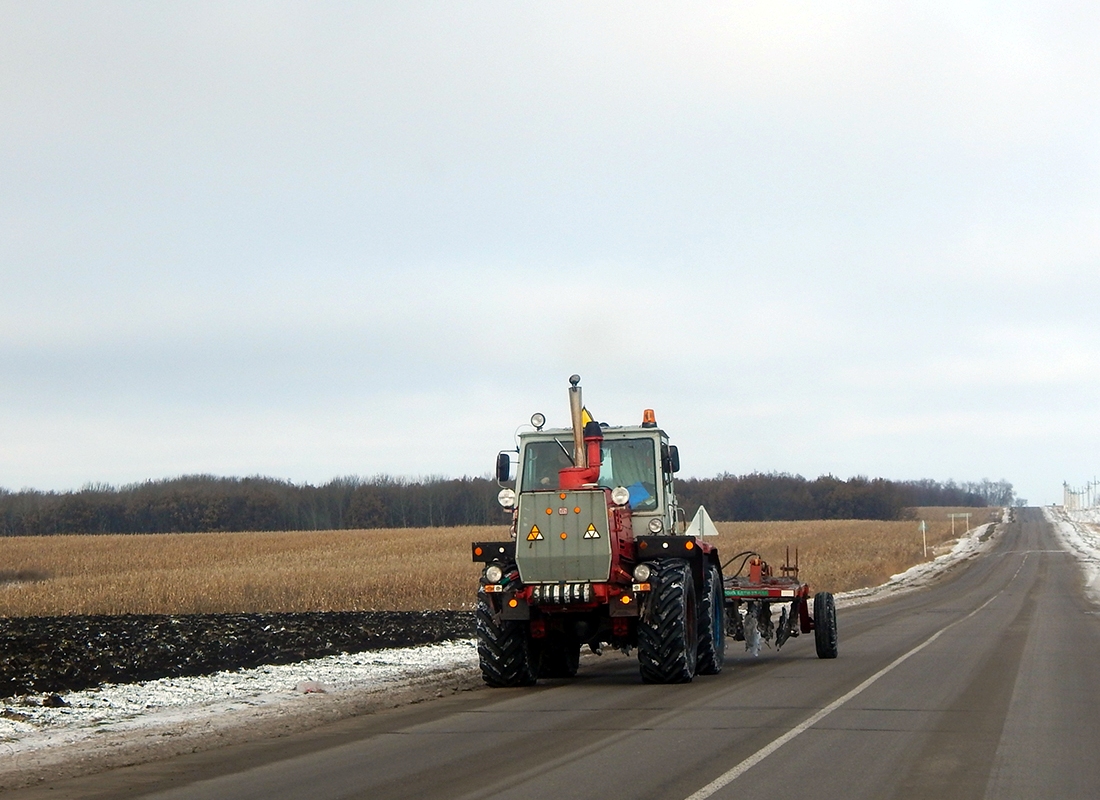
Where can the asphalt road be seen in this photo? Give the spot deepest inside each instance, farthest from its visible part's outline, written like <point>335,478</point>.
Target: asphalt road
<point>986,685</point>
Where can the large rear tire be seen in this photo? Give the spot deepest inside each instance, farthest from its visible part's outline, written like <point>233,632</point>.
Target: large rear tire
<point>504,648</point>
<point>825,625</point>
<point>667,629</point>
<point>712,624</point>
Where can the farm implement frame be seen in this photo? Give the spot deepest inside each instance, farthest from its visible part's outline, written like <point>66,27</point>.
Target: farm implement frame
<point>749,600</point>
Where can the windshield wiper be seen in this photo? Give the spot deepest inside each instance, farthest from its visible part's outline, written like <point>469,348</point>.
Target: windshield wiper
<point>567,455</point>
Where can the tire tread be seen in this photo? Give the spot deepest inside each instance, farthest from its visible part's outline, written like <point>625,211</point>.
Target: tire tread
<point>504,651</point>
<point>667,635</point>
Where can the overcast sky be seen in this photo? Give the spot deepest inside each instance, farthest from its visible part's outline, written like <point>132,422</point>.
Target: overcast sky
<point>308,240</point>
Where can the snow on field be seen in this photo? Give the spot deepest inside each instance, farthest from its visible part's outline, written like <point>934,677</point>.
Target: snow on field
<point>161,702</point>
<point>29,726</point>
<point>1080,534</point>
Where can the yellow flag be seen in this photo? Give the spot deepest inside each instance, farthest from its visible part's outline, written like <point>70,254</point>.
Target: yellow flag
<point>585,416</point>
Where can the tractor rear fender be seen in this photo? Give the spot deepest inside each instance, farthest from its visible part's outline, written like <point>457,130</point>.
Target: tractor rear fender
<point>514,606</point>
<point>697,554</point>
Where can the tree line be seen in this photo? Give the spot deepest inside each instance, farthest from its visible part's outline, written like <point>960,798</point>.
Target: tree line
<point>780,496</point>
<point>199,503</point>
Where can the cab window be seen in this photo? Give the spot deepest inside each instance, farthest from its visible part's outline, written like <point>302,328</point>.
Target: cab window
<point>631,463</point>
<point>541,462</point>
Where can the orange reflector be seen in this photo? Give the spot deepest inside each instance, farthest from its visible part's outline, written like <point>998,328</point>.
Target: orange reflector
<point>562,495</point>
<point>625,599</point>
<point>549,511</point>
<point>643,545</point>
<point>564,535</point>
<point>513,603</point>
<point>689,545</point>
<point>477,551</point>
<point>577,510</point>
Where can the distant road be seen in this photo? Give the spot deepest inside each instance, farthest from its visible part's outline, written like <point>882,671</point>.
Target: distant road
<point>984,686</point>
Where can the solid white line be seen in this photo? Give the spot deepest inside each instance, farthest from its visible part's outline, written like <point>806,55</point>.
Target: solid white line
<point>771,747</point>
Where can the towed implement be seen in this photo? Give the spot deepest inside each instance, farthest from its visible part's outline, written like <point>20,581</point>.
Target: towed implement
<point>750,599</point>
<point>600,554</point>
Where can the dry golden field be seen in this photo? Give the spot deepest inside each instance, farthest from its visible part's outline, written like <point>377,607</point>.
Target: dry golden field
<point>403,569</point>
<point>840,555</point>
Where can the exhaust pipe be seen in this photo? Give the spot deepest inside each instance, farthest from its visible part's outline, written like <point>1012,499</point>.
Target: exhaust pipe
<point>576,407</point>
<point>586,444</point>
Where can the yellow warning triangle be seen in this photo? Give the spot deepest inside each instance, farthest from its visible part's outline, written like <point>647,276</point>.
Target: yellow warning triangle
<point>591,533</point>
<point>535,534</point>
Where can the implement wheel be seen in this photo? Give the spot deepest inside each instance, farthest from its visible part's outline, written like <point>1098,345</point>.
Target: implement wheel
<point>712,624</point>
<point>504,648</point>
<point>668,629</point>
<point>825,625</point>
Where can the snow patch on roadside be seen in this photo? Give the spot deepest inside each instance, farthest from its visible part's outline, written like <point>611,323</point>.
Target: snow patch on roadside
<point>1079,533</point>
<point>27,725</point>
<point>973,543</point>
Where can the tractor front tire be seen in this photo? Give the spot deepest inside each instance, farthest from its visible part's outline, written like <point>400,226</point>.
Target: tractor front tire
<point>668,643</point>
<point>712,624</point>
<point>825,625</point>
<point>504,648</point>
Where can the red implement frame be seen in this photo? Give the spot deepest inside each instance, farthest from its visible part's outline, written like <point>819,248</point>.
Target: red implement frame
<point>763,588</point>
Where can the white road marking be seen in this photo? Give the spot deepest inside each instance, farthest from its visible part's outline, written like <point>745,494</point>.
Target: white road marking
<point>802,727</point>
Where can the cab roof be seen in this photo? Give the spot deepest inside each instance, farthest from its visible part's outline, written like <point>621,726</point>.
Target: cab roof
<point>611,429</point>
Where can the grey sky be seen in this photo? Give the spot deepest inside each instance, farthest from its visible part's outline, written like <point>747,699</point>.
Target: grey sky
<point>317,239</point>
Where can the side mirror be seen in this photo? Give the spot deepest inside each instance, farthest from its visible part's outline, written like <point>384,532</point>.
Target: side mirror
<point>674,458</point>
<point>504,467</point>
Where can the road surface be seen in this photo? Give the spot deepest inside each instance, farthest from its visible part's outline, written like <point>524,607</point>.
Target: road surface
<point>986,685</point>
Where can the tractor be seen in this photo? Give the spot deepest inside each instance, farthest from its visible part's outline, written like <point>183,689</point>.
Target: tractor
<point>600,553</point>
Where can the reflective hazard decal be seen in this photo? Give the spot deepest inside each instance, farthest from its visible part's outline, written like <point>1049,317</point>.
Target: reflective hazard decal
<point>535,534</point>
<point>591,533</point>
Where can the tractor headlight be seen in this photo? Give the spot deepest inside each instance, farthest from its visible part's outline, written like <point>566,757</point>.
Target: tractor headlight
<point>507,498</point>
<point>656,525</point>
<point>538,420</point>
<point>642,573</point>
<point>493,573</point>
<point>620,495</point>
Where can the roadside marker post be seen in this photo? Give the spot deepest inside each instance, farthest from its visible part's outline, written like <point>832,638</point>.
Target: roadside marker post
<point>967,515</point>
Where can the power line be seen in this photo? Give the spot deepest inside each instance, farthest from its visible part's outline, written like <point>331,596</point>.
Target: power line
<point>1076,499</point>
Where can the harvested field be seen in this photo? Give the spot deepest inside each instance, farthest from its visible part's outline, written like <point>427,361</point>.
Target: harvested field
<point>841,555</point>
<point>58,654</point>
<point>78,611</point>
<point>203,573</point>
<point>380,570</point>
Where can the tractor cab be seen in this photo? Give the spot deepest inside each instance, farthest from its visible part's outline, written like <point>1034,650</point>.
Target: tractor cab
<point>635,458</point>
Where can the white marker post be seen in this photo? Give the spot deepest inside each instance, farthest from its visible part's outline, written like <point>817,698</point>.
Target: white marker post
<point>924,537</point>
<point>967,515</point>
